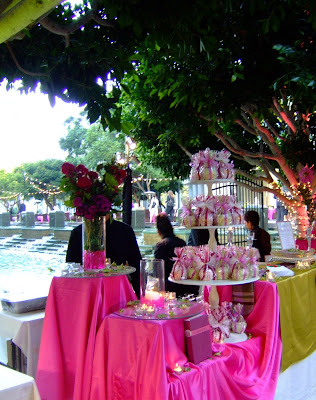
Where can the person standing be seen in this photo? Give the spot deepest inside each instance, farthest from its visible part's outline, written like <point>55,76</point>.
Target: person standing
<point>281,211</point>
<point>170,202</point>
<point>164,250</point>
<point>153,208</point>
<point>261,237</point>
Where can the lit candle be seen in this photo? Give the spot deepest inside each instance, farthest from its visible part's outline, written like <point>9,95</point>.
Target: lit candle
<point>302,264</point>
<point>172,296</point>
<point>153,297</point>
<point>150,310</point>
<point>177,369</point>
<point>270,276</point>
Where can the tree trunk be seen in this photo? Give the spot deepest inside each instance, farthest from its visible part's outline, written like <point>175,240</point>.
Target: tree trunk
<point>300,219</point>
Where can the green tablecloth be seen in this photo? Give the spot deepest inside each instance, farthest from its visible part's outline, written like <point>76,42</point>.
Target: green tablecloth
<point>297,316</point>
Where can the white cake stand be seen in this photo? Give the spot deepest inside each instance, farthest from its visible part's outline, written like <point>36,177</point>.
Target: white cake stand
<point>212,243</point>
<point>236,337</point>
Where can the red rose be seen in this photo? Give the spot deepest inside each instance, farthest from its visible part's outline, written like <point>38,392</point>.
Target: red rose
<point>93,175</point>
<point>68,168</point>
<point>81,169</point>
<point>84,183</point>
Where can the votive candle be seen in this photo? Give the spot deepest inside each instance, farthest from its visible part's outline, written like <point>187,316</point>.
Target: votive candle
<point>154,298</point>
<point>178,369</point>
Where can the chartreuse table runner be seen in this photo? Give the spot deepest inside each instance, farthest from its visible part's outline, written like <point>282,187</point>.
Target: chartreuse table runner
<point>297,315</point>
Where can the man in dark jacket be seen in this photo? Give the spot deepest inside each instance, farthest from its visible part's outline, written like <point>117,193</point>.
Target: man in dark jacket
<point>164,250</point>
<point>121,247</point>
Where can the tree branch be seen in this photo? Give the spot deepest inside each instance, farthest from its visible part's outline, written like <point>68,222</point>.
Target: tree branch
<point>238,150</point>
<point>20,67</point>
<point>273,130</point>
<point>58,29</point>
<point>285,117</point>
<point>4,5</point>
<point>252,177</point>
<point>102,21</point>
<point>246,127</point>
<point>184,149</point>
<point>262,189</point>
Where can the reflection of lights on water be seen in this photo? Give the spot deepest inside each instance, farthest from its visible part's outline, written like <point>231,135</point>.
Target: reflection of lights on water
<point>28,272</point>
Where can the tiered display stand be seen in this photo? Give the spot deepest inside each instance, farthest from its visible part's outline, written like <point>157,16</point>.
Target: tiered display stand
<point>209,183</point>
<point>214,298</point>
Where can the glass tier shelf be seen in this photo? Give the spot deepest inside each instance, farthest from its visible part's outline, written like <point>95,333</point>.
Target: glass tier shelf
<point>177,310</point>
<point>215,282</point>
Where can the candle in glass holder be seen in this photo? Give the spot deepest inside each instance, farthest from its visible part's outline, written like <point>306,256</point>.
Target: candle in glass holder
<point>217,337</point>
<point>178,369</point>
<point>152,282</point>
<point>270,276</point>
<point>154,298</point>
<point>140,310</point>
<point>150,310</point>
<point>302,264</point>
<point>172,296</point>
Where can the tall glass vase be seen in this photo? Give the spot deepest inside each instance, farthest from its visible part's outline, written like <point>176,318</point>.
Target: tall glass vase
<point>94,243</point>
<point>152,282</point>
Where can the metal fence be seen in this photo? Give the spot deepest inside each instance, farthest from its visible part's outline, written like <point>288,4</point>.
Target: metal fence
<point>247,198</point>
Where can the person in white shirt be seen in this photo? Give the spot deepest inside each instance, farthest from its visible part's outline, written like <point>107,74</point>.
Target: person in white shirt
<point>153,208</point>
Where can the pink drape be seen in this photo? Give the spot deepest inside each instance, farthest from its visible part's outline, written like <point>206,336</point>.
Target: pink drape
<point>134,359</point>
<point>303,245</point>
<point>75,310</point>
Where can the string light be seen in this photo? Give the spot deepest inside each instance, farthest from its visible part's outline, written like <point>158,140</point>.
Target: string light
<point>141,178</point>
<point>34,180</point>
<point>9,197</point>
<point>35,184</point>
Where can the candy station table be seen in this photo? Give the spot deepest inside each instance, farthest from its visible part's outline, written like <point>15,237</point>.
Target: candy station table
<point>297,315</point>
<point>88,354</point>
<point>75,310</point>
<point>135,359</point>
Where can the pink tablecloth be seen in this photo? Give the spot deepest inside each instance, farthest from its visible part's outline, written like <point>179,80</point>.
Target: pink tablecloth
<point>302,244</point>
<point>134,359</point>
<point>75,310</point>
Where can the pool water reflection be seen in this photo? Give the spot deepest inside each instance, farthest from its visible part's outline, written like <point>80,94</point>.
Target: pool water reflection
<point>28,272</point>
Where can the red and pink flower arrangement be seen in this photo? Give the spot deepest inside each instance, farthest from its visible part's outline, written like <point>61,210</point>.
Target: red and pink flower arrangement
<point>93,193</point>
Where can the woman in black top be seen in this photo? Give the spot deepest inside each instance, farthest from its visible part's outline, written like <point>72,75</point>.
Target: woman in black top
<point>261,237</point>
<point>164,250</point>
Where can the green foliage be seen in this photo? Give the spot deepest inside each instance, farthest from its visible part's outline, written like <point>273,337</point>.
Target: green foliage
<point>182,69</point>
<point>40,180</point>
<point>90,145</point>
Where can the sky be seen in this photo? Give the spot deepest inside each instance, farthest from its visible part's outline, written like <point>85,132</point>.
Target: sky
<point>30,128</point>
